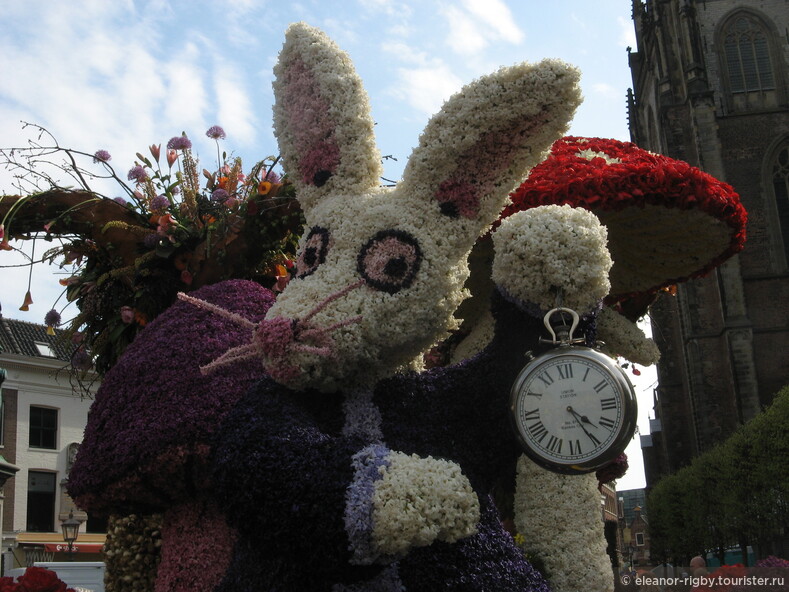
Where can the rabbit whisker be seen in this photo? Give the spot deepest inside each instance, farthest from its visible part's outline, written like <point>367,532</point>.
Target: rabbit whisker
<point>230,316</point>
<point>236,354</point>
<point>321,305</point>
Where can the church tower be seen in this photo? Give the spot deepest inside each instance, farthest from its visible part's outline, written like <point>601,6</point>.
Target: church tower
<point>710,88</point>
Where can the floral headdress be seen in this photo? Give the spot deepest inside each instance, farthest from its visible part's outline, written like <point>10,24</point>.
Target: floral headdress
<point>174,230</point>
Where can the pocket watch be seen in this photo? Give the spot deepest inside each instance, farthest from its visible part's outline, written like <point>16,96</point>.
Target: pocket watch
<point>573,408</point>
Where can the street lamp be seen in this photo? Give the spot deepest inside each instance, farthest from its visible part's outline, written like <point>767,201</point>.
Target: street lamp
<point>70,528</point>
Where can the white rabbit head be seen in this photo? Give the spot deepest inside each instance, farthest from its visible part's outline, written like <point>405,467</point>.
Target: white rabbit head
<point>381,270</point>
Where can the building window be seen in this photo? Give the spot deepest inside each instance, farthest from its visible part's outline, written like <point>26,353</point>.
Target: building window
<point>780,184</point>
<point>43,427</point>
<point>40,501</point>
<point>748,56</point>
<point>640,539</point>
<point>44,349</point>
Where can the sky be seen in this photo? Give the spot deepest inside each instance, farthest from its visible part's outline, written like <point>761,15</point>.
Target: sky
<point>123,75</point>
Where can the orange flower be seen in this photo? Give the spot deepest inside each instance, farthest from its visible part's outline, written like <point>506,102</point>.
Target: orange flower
<point>140,317</point>
<point>264,187</point>
<point>28,301</point>
<point>223,182</point>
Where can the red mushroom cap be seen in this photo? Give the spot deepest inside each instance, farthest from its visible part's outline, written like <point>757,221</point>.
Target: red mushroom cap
<point>667,221</point>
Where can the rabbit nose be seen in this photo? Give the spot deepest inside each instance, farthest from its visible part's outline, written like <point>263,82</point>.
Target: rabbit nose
<point>280,336</point>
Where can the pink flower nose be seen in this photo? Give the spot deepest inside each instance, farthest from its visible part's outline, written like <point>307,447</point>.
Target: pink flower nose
<point>274,336</point>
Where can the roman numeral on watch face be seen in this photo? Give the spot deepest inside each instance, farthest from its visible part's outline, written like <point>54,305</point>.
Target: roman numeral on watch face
<point>608,403</point>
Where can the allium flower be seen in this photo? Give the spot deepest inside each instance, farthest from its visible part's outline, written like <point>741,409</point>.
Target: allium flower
<point>52,318</point>
<point>179,143</point>
<point>102,156</point>
<point>121,201</point>
<point>216,132</point>
<point>159,203</point>
<point>81,360</point>
<point>219,195</point>
<point>137,173</point>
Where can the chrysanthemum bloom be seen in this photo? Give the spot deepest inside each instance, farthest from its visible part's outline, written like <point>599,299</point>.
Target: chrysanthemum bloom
<point>102,156</point>
<point>215,132</point>
<point>137,173</point>
<point>179,143</point>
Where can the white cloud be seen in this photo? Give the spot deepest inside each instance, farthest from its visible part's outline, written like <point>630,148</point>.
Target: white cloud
<point>405,52</point>
<point>478,24</point>
<point>464,37</point>
<point>235,109</point>
<point>496,15</point>
<point>426,88</point>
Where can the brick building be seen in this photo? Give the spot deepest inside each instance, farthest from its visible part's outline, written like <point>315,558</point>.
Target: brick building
<point>710,87</point>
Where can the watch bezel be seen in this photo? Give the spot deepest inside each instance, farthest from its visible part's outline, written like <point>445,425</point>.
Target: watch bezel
<point>629,409</point>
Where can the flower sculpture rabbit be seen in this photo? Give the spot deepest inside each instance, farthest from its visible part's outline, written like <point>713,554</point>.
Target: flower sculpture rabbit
<point>346,466</point>
<point>343,470</point>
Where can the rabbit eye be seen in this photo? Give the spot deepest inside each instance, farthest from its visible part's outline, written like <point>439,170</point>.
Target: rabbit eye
<point>390,261</point>
<point>314,252</point>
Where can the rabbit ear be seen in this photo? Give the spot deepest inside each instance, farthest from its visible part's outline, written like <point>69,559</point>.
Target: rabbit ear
<point>487,136</point>
<point>322,118</point>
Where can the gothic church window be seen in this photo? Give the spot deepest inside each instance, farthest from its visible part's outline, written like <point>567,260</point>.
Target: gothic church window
<point>748,59</point>
<point>780,185</point>
<point>748,56</point>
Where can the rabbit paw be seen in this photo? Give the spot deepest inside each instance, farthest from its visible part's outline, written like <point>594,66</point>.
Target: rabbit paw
<point>412,502</point>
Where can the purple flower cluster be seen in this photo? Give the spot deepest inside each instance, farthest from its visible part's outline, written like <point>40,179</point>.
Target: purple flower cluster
<point>215,132</point>
<point>52,318</point>
<point>367,464</point>
<point>102,156</point>
<point>179,143</point>
<point>155,399</point>
<point>159,203</point>
<point>137,174</point>
<point>219,196</point>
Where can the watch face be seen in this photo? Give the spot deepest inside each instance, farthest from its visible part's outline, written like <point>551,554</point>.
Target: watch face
<point>574,409</point>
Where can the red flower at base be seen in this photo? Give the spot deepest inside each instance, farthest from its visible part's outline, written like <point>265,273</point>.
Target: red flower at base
<point>35,579</point>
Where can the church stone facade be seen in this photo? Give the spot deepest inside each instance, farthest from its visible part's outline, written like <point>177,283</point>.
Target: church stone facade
<point>711,87</point>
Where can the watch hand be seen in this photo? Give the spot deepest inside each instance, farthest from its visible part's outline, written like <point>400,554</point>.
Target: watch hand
<point>581,424</point>
<point>581,418</point>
